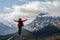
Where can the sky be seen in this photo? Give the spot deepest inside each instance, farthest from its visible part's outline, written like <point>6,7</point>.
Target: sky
<point>27,9</point>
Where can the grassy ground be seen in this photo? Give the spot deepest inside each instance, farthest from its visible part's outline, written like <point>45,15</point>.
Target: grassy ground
<point>53,37</point>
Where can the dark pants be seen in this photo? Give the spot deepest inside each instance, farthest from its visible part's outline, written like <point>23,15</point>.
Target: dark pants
<point>19,30</point>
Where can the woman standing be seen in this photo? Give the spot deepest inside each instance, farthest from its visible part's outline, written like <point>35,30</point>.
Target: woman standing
<point>20,24</point>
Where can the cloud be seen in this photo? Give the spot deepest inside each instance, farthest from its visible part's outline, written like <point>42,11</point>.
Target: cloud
<point>7,9</point>
<point>31,10</point>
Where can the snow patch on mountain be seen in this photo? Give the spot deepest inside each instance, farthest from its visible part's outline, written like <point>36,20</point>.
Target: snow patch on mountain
<point>41,21</point>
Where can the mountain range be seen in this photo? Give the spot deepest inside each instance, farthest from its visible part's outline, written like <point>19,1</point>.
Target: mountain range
<point>41,21</point>
<point>43,25</point>
<point>7,28</point>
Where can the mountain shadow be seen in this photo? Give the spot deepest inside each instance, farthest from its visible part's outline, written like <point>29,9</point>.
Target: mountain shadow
<point>46,31</point>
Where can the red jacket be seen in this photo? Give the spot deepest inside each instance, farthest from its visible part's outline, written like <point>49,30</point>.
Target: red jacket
<point>20,23</point>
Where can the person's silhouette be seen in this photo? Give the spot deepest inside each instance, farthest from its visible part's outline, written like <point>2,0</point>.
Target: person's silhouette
<point>20,24</point>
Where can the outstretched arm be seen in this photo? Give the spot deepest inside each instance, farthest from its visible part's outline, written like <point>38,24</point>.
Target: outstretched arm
<point>24,20</point>
<point>15,21</point>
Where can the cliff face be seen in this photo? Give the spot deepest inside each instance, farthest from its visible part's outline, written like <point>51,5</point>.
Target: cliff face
<point>57,24</point>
